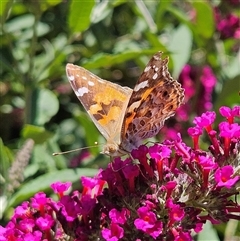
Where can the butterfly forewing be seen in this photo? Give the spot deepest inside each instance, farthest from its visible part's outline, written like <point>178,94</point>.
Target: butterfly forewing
<point>104,101</point>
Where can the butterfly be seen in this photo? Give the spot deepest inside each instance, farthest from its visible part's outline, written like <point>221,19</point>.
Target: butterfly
<point>125,116</point>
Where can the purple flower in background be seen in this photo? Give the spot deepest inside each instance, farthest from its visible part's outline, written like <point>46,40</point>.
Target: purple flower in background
<point>199,84</point>
<point>227,25</point>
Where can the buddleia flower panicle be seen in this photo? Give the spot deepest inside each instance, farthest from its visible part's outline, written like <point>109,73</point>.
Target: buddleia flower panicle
<point>168,195</point>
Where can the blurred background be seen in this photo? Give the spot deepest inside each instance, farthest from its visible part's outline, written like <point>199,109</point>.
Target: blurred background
<point>39,112</point>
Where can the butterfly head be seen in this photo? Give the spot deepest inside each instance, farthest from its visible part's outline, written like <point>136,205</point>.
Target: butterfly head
<point>112,149</point>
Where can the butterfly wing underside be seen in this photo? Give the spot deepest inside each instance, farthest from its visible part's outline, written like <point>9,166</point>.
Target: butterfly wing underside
<point>155,98</point>
<point>104,101</point>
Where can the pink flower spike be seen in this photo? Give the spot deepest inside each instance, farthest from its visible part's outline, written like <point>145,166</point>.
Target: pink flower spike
<point>70,209</point>
<point>87,203</point>
<point>45,223</point>
<point>119,217</point>
<point>114,233</point>
<point>236,111</point>
<point>39,201</point>
<point>223,177</point>
<point>27,225</point>
<point>92,186</point>
<point>147,222</point>
<point>207,165</point>
<point>60,187</point>
<point>34,236</point>
<point>229,130</point>
<point>205,120</point>
<point>130,172</point>
<point>176,213</point>
<point>183,236</point>
<point>159,151</point>
<point>22,211</point>
<point>170,187</point>
<point>141,155</point>
<point>195,132</point>
<point>225,111</point>
<point>146,219</point>
<point>199,227</point>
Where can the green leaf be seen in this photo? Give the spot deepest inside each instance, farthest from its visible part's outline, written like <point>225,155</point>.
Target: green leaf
<point>155,41</point>
<point>6,157</point>
<point>101,11</point>
<point>204,19</point>
<point>5,154</point>
<point>180,15</point>
<point>79,15</point>
<point>46,107</point>
<point>43,183</point>
<point>208,233</point>
<point>18,23</point>
<point>91,132</point>
<point>51,3</point>
<point>43,157</point>
<point>106,60</point>
<point>233,68</point>
<point>229,95</point>
<point>180,46</point>
<point>37,133</point>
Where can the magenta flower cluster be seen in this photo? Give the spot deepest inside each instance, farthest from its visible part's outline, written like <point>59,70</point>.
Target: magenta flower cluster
<point>228,25</point>
<point>197,81</point>
<point>163,192</point>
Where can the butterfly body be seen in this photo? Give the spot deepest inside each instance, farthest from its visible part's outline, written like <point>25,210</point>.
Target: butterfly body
<point>124,116</point>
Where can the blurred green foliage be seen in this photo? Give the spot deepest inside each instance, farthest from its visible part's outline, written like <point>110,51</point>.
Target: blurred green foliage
<point>113,39</point>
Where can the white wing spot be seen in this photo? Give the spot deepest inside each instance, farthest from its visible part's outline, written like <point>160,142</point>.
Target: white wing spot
<point>147,68</point>
<point>82,91</point>
<point>134,105</point>
<point>164,71</point>
<point>84,77</point>
<point>90,83</point>
<point>71,77</point>
<point>141,85</point>
<point>156,69</point>
<point>155,76</point>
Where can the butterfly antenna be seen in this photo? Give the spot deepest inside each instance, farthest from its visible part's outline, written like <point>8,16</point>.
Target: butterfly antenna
<point>78,149</point>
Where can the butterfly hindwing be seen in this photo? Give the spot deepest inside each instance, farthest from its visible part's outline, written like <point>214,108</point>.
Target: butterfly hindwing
<point>155,98</point>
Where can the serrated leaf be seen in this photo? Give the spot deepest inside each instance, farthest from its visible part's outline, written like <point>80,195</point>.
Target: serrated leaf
<point>79,15</point>
<point>37,133</point>
<point>43,183</point>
